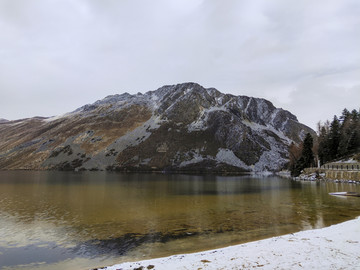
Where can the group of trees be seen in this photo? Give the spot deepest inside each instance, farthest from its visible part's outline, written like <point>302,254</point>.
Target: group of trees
<point>335,139</point>
<point>339,138</point>
<point>301,156</point>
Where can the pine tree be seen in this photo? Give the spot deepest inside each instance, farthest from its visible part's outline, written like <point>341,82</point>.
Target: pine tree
<point>294,154</point>
<point>345,133</point>
<point>345,115</point>
<point>339,138</point>
<point>307,152</point>
<point>323,149</point>
<point>334,138</point>
<point>354,138</point>
<point>307,157</point>
<point>355,115</point>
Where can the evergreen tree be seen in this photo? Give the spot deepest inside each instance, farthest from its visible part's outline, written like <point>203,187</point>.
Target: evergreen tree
<point>334,138</point>
<point>354,141</point>
<point>345,115</point>
<point>354,138</point>
<point>307,152</point>
<point>294,154</point>
<point>307,157</point>
<point>349,133</point>
<point>298,167</point>
<point>355,115</point>
<point>345,133</point>
<point>323,140</point>
<point>339,138</point>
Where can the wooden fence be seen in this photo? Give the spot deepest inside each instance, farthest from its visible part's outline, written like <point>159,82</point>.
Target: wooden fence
<point>342,166</point>
<point>339,171</point>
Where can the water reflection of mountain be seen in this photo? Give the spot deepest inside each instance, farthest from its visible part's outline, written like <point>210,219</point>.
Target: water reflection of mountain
<point>93,214</point>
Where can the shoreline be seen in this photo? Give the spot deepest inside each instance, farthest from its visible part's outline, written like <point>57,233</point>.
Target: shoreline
<point>333,247</point>
<point>315,177</point>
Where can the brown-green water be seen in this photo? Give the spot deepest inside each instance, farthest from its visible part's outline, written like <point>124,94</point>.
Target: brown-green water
<point>66,220</point>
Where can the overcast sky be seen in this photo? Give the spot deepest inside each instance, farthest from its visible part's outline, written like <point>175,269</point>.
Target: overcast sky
<point>57,55</point>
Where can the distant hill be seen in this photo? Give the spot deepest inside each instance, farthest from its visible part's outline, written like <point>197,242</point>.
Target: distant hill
<point>182,127</point>
<point>2,120</point>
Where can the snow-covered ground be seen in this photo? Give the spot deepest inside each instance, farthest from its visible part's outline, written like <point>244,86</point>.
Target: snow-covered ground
<point>334,247</point>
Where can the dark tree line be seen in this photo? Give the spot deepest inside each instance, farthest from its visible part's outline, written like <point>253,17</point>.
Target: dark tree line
<point>336,139</point>
<point>339,138</point>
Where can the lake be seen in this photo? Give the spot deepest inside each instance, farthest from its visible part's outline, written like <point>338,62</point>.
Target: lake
<point>68,220</point>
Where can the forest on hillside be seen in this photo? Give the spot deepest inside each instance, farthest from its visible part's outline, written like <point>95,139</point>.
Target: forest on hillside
<point>335,140</point>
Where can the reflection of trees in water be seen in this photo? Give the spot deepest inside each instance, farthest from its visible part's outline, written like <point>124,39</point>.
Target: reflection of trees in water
<point>307,204</point>
<point>316,208</point>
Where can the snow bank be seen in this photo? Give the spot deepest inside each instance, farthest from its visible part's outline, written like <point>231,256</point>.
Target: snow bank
<point>335,247</point>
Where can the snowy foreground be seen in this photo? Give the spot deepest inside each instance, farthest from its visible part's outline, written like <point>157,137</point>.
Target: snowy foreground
<point>334,247</point>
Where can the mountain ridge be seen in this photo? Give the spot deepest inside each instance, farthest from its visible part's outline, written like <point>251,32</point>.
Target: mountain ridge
<point>183,127</point>
<point>2,120</point>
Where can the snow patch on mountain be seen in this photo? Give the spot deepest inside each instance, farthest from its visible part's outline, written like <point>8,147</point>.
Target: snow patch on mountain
<point>227,156</point>
<point>137,135</point>
<point>201,122</point>
<point>260,128</point>
<point>269,161</point>
<point>195,158</point>
<point>133,138</point>
<point>57,117</point>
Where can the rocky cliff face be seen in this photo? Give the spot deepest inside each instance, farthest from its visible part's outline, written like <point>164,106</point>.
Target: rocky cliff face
<point>182,127</point>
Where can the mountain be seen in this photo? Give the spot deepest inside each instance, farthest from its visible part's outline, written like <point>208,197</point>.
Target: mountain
<point>182,127</point>
<point>2,120</point>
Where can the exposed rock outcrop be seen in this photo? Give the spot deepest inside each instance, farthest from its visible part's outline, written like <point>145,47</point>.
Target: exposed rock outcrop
<point>182,127</point>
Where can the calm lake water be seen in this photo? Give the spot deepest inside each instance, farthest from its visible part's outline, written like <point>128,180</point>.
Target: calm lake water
<point>67,220</point>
